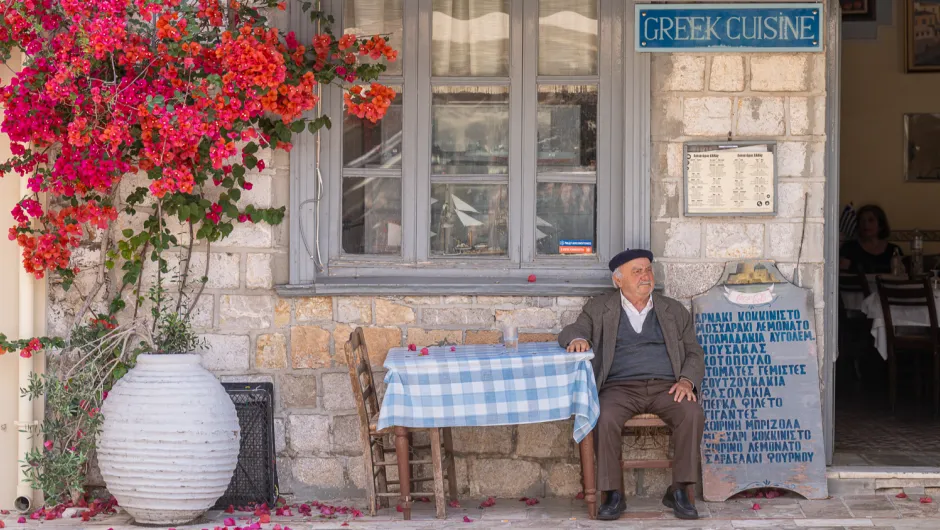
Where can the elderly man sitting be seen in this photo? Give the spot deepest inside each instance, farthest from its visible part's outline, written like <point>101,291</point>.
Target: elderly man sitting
<point>647,361</point>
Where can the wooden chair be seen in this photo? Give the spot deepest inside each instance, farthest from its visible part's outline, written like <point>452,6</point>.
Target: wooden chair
<point>648,422</point>
<point>854,327</point>
<point>910,293</point>
<point>374,441</point>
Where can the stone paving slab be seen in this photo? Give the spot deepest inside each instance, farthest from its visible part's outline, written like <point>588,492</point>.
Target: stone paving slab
<point>850,512</point>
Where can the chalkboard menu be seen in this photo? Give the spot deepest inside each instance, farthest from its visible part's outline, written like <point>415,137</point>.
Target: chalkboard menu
<point>763,422</point>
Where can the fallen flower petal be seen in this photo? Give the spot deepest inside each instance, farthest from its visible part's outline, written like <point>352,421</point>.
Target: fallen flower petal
<point>580,496</point>
<point>399,509</point>
<point>265,518</point>
<point>424,351</point>
<point>926,500</point>
<point>229,521</point>
<point>230,509</point>
<point>531,278</point>
<point>344,524</point>
<point>901,495</point>
<point>412,347</point>
<point>21,520</point>
<point>531,502</point>
<point>490,501</point>
<point>424,499</point>
<point>454,503</point>
<point>467,519</point>
<point>453,348</point>
<point>756,506</point>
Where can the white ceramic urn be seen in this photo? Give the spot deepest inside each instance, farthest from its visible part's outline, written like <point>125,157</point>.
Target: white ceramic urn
<point>170,438</point>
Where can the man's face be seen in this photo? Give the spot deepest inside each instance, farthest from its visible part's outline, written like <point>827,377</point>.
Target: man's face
<point>636,279</point>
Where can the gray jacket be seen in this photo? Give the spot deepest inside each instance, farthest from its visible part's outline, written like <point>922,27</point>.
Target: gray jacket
<point>600,319</point>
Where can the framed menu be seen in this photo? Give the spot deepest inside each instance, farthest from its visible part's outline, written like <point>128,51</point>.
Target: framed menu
<point>730,178</point>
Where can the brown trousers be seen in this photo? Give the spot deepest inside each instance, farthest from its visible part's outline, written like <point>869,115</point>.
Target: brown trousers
<point>620,401</point>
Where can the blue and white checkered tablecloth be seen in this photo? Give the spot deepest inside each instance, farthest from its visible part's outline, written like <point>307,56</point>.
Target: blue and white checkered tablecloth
<point>479,385</point>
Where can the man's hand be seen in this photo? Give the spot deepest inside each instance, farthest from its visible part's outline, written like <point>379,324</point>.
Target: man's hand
<point>682,390</point>
<point>578,345</point>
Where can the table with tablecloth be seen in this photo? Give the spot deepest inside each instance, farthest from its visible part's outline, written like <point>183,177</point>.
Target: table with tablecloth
<point>900,316</point>
<point>487,385</point>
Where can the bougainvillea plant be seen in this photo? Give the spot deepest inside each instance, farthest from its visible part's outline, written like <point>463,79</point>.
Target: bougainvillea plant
<point>187,93</point>
<point>138,125</point>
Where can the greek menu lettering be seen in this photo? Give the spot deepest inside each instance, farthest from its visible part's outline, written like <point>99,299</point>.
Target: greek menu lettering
<point>741,27</point>
<point>729,182</point>
<point>744,390</point>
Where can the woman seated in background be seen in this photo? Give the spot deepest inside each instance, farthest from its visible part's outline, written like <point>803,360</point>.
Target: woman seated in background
<point>870,253</point>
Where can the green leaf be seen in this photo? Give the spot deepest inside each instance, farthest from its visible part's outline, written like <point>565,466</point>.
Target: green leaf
<point>127,232</point>
<point>250,161</point>
<point>297,126</point>
<point>238,171</point>
<point>326,121</point>
<point>251,148</point>
<point>235,194</point>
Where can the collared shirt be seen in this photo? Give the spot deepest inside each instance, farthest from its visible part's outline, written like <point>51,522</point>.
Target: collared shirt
<point>637,317</point>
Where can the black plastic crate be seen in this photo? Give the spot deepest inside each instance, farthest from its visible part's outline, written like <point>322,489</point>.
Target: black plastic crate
<point>255,477</point>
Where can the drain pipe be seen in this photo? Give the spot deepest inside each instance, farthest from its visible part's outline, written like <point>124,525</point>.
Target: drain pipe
<point>25,424</point>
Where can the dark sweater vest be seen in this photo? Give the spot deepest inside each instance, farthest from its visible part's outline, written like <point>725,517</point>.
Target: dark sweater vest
<point>640,356</point>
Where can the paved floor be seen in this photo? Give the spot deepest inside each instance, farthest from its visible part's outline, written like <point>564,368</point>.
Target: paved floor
<point>851,512</point>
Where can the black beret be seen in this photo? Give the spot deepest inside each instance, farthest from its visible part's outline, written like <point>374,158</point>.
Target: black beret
<point>629,255</point>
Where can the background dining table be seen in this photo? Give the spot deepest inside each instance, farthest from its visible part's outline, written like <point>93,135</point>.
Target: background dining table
<point>488,385</point>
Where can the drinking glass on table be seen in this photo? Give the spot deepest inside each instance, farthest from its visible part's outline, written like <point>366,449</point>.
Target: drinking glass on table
<point>511,338</point>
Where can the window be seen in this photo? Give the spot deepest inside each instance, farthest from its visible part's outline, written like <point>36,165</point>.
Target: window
<point>510,149</point>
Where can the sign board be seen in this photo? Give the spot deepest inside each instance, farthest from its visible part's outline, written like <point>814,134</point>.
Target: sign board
<point>730,178</point>
<point>763,422</point>
<point>782,27</point>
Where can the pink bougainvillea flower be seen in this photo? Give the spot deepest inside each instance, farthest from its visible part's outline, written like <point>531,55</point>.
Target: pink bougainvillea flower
<point>21,520</point>
<point>412,347</point>
<point>48,445</point>
<point>424,351</point>
<point>454,503</point>
<point>579,496</point>
<point>453,348</point>
<point>901,495</point>
<point>926,500</point>
<point>399,509</point>
<point>264,519</point>
<point>490,501</point>
<point>345,523</point>
<point>756,506</point>
<point>423,499</point>
<point>228,521</point>
<point>467,519</point>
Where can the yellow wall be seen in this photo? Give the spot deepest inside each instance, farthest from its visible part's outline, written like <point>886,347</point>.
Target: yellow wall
<point>876,93</point>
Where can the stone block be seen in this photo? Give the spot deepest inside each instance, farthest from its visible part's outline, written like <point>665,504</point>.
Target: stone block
<point>784,240</point>
<point>483,440</point>
<point>573,301</point>
<point>457,300</point>
<point>667,118</point>
<point>346,434</point>
<point>528,318</point>
<point>706,116</point>
<point>223,270</point>
<point>258,272</point>
<point>246,312</point>
<point>280,436</point>
<point>566,318</point>
<point>316,309</point>
<point>727,74</point>
<point>337,391</point>
<point>684,280</point>
<point>807,116</point>
<point>538,337</point>
<point>734,240</point>
<point>341,335</point>
<point>319,472</point>
<point>545,440</point>
<point>355,468</point>
<point>505,478</point>
<point>761,116</point>
<point>250,235</point>
<point>298,390</point>
<point>226,353</point>
<point>678,72</point>
<point>456,316</point>
<point>793,159</point>
<point>387,313</point>
<point>260,193</point>
<point>483,337</point>
<point>432,337</point>
<point>282,313</point>
<point>309,347</point>
<point>271,351</point>
<point>564,480</point>
<point>501,301</point>
<point>790,199</point>
<point>781,72</point>
<point>677,239</point>
<point>308,432</point>
<point>203,313</point>
<point>665,199</point>
<point>379,341</point>
<point>421,300</point>
<point>354,309</point>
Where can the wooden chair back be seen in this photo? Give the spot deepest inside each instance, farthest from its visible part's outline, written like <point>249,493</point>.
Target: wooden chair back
<point>907,293</point>
<point>854,282</point>
<point>363,381</point>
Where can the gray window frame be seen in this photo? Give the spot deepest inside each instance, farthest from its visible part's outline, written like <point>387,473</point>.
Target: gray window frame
<point>622,185</point>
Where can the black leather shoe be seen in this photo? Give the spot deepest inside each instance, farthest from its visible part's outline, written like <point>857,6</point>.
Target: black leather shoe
<point>678,500</point>
<point>613,507</point>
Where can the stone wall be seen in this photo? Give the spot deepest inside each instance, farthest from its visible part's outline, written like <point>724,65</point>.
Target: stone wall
<point>297,343</point>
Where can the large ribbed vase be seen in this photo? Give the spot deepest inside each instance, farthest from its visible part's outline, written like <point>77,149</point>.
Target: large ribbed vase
<point>169,442</point>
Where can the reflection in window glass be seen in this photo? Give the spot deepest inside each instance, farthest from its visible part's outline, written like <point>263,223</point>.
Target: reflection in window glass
<point>470,38</point>
<point>371,215</point>
<point>470,131</point>
<point>469,220</point>
<point>567,132</point>
<point>365,18</point>
<point>374,145</point>
<point>565,218</point>
<point>568,37</point>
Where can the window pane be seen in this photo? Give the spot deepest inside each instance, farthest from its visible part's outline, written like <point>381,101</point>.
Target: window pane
<point>365,18</point>
<point>470,38</point>
<point>371,215</point>
<point>567,129</point>
<point>568,37</point>
<point>565,218</point>
<point>469,219</point>
<point>374,145</point>
<point>470,131</point>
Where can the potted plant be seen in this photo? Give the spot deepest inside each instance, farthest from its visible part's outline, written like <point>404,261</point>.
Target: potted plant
<point>138,126</point>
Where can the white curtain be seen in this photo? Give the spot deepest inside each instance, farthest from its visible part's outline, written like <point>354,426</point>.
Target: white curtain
<point>470,38</point>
